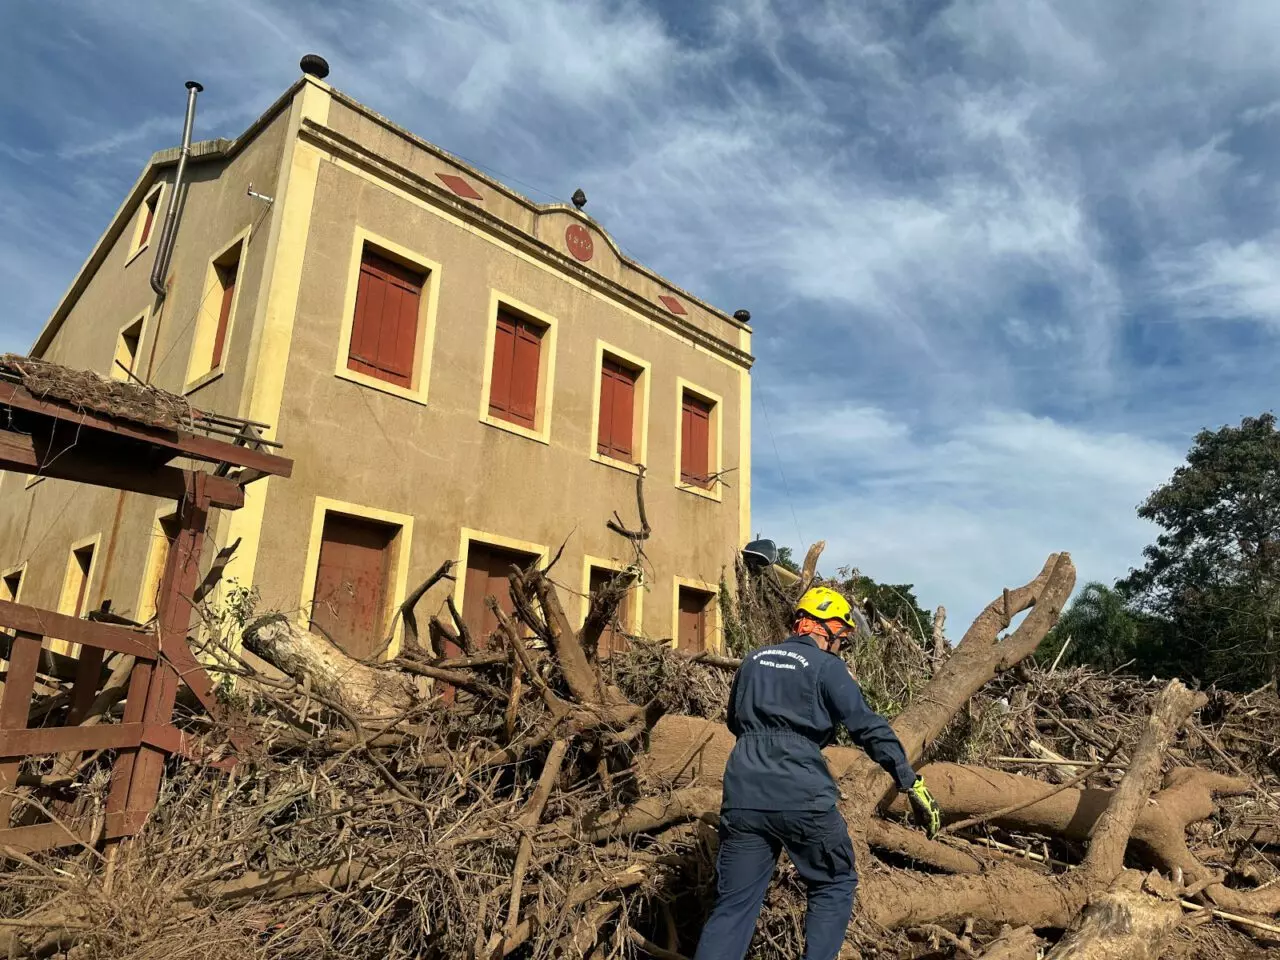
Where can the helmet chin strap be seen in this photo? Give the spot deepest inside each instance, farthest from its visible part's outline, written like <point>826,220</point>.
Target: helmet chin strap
<point>803,627</point>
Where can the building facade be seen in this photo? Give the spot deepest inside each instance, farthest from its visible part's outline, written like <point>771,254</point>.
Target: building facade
<point>456,372</point>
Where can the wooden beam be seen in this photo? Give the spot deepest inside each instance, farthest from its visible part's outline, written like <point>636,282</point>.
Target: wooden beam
<point>179,441</point>
<point>22,453</point>
<point>15,706</point>
<point>44,836</point>
<point>42,740</point>
<point>46,623</point>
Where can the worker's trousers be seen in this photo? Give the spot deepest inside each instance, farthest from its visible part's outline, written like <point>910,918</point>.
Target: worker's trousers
<point>750,841</point>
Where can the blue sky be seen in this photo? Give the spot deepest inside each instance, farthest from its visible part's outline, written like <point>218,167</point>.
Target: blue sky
<point>1004,257</point>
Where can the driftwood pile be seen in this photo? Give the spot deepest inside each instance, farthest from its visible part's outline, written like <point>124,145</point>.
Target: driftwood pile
<point>523,798</point>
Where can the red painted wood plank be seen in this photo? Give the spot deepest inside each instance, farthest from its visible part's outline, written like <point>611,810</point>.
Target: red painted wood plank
<point>22,453</point>
<point>102,736</point>
<point>504,347</point>
<point>107,636</point>
<point>44,836</point>
<point>15,705</point>
<point>179,441</point>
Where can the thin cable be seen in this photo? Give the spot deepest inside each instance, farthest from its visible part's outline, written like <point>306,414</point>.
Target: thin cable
<point>782,473</point>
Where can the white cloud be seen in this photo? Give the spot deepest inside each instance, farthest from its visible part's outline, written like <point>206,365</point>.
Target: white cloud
<point>964,512</point>
<point>942,223</point>
<point>1221,280</point>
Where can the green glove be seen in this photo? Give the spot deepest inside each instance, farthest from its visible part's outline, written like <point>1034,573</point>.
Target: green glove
<point>924,809</point>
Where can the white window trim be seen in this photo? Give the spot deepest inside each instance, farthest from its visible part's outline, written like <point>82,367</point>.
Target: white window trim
<point>153,572</point>
<point>20,569</point>
<point>546,369</point>
<point>64,593</point>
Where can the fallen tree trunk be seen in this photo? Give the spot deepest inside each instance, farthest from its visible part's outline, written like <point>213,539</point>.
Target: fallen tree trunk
<point>365,692</point>
<point>1120,924</point>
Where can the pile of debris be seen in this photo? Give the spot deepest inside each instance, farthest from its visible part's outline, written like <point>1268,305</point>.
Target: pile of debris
<point>523,798</point>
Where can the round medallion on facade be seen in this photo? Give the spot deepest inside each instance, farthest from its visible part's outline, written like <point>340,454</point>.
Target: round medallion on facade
<point>578,239</point>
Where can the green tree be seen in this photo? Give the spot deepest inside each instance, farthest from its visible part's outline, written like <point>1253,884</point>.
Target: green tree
<point>1098,628</point>
<point>1211,578</point>
<point>896,601</point>
<point>787,561</point>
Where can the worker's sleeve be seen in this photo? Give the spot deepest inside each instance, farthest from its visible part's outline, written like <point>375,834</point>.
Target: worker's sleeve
<point>869,730</point>
<point>732,718</point>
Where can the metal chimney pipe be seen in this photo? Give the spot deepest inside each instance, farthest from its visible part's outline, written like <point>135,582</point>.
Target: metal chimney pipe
<point>164,248</point>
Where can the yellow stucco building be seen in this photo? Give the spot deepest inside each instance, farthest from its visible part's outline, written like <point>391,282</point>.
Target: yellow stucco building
<point>456,371</point>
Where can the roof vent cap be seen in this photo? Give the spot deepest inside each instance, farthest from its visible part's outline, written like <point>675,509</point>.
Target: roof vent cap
<point>314,65</point>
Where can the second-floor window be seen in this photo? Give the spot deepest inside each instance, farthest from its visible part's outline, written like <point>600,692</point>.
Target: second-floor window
<point>384,331</point>
<point>615,436</point>
<point>517,353</point>
<point>695,440</point>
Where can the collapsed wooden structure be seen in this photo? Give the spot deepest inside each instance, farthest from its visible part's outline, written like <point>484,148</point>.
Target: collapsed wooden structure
<point>78,427</point>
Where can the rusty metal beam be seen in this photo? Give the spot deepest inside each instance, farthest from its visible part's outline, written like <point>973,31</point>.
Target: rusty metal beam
<point>21,453</point>
<point>46,623</point>
<point>180,442</point>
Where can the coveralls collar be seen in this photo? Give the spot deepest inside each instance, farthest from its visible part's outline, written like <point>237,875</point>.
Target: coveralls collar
<point>805,638</point>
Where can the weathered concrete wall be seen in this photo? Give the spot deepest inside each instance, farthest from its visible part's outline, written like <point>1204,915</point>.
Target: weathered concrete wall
<point>444,466</point>
<point>39,524</point>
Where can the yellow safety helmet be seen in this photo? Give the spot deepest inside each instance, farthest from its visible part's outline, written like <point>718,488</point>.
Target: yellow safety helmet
<point>823,603</point>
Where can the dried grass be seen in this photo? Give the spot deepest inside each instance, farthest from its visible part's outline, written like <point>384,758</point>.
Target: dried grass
<point>440,864</point>
<point>84,390</point>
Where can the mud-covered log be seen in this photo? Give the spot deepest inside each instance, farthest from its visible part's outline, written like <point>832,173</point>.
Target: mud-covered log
<point>1120,924</point>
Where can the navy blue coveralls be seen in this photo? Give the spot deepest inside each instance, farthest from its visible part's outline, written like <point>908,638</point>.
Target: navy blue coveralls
<point>784,707</point>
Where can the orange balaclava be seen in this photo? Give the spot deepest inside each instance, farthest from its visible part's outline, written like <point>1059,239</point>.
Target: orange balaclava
<point>829,630</point>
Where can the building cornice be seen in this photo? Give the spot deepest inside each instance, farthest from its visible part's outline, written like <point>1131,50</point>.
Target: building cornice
<point>339,145</point>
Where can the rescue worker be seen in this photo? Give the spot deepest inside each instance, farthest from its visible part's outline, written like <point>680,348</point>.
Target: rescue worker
<point>784,707</point>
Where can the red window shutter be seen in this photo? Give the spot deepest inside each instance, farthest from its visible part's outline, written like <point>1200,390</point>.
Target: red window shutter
<point>624,398</point>
<point>524,375</point>
<point>351,582</point>
<point>513,386</point>
<point>617,411</point>
<point>695,441</point>
<point>504,349</point>
<point>604,431</point>
<point>227,278</point>
<point>384,330</point>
